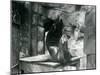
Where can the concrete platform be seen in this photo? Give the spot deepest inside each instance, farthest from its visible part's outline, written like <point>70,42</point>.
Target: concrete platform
<point>42,64</point>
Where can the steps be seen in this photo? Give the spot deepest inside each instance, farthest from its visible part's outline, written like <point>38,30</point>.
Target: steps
<point>42,64</point>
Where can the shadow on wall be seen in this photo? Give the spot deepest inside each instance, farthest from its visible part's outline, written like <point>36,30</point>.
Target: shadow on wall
<point>90,39</point>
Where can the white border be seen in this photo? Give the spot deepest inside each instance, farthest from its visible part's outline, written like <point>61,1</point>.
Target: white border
<point>87,2</point>
<point>5,37</point>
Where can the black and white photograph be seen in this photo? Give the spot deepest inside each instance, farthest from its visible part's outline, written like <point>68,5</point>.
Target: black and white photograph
<point>52,37</point>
